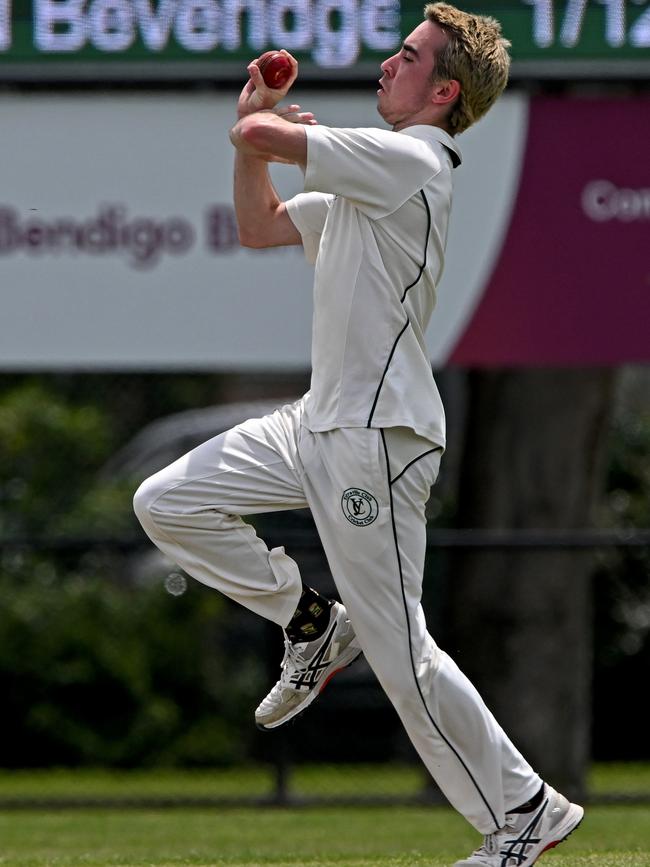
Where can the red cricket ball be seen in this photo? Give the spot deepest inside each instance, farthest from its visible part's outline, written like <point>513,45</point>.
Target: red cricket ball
<point>275,69</point>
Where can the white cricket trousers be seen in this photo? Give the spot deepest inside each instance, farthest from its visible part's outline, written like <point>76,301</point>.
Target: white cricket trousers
<point>367,489</point>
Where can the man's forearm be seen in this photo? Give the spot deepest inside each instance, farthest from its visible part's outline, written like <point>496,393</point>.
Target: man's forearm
<point>255,196</point>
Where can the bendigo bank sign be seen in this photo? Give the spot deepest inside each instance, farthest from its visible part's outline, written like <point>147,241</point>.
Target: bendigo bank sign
<point>140,241</point>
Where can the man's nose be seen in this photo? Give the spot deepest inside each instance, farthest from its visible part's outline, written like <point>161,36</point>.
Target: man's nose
<point>386,66</point>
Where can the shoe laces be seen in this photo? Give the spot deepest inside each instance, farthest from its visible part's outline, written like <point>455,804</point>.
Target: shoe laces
<point>487,850</point>
<point>291,661</point>
<point>492,842</point>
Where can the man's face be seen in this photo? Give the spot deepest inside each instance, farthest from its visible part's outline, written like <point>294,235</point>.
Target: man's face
<point>406,87</point>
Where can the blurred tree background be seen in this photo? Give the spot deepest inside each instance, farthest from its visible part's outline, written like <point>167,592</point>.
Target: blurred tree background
<point>107,660</point>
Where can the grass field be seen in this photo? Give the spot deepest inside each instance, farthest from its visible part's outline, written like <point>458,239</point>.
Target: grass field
<point>258,781</point>
<point>354,837</point>
<point>610,836</point>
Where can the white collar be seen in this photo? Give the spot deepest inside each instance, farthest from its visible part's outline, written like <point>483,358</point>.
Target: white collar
<point>426,131</point>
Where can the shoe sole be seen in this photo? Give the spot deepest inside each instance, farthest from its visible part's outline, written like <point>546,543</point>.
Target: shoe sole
<point>345,659</point>
<point>574,817</point>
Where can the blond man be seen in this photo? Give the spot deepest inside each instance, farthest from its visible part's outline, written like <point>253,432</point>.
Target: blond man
<point>362,448</point>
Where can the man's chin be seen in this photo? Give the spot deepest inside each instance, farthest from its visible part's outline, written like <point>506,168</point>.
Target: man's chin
<point>380,110</point>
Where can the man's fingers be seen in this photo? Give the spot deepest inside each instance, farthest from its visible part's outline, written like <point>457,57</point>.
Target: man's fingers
<point>255,74</point>
<point>293,114</point>
<point>294,62</point>
<point>306,117</point>
<point>287,109</point>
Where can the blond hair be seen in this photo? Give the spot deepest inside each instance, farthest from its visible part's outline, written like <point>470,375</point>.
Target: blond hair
<point>476,55</point>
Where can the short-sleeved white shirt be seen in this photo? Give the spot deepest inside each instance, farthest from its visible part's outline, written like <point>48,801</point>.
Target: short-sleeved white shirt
<point>373,220</point>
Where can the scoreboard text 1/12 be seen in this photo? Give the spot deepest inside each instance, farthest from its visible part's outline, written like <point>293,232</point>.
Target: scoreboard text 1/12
<point>552,24</point>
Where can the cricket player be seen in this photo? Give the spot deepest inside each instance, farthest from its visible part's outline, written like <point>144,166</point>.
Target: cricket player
<point>362,448</point>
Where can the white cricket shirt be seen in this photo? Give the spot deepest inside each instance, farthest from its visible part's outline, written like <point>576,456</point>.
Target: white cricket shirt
<point>373,220</point>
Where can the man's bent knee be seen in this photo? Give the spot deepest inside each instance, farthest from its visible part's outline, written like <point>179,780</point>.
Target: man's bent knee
<point>145,500</point>
<point>161,505</point>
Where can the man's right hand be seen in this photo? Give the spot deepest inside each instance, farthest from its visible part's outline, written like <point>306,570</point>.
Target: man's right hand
<point>256,96</point>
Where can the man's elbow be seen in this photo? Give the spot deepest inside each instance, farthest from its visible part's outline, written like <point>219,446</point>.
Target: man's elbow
<point>255,133</point>
<point>256,230</point>
<point>251,238</point>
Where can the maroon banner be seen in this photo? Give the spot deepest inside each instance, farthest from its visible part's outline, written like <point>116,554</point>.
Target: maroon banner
<point>572,282</point>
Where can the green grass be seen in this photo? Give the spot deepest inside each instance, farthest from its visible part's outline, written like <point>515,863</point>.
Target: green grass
<point>356,837</point>
<point>611,836</point>
<point>253,782</point>
<point>258,782</point>
<point>98,783</point>
<point>627,778</point>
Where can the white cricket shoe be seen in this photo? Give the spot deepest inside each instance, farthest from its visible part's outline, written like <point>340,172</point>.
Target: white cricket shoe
<point>527,835</point>
<point>307,668</point>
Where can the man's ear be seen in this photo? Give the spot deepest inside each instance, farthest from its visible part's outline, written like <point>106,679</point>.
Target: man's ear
<point>445,91</point>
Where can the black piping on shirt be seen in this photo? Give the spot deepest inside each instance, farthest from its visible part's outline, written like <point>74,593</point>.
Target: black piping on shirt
<point>415,460</point>
<point>426,244</point>
<point>407,323</point>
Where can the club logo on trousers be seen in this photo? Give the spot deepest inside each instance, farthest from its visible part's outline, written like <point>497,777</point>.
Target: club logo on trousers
<point>359,507</point>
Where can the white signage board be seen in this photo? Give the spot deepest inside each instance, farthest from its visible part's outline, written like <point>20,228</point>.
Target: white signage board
<point>118,245</point>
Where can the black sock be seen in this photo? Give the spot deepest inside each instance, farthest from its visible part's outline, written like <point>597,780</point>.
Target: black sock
<point>531,805</point>
<point>311,617</point>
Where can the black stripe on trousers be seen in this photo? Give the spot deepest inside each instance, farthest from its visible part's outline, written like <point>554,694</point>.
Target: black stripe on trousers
<point>408,627</point>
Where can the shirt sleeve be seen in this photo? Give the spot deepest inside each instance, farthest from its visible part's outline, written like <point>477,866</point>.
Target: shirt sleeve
<point>376,170</point>
<point>308,212</point>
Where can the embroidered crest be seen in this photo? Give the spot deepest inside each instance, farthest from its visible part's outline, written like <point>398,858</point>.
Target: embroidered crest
<point>359,507</point>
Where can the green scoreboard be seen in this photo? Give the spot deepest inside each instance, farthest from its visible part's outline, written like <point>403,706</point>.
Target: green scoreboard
<point>344,40</point>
